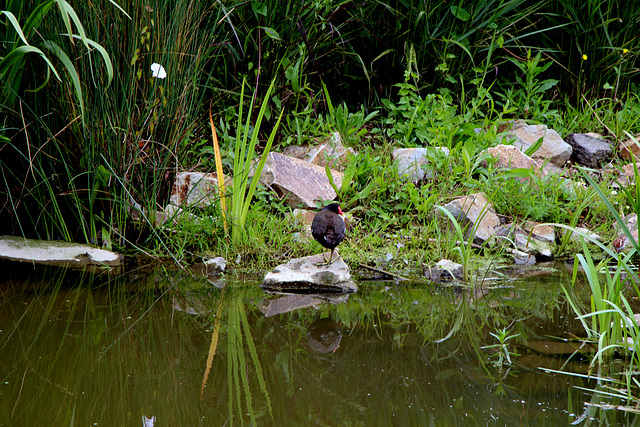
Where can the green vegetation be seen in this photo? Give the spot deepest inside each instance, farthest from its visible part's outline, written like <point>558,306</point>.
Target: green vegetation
<point>609,320</point>
<point>90,139</point>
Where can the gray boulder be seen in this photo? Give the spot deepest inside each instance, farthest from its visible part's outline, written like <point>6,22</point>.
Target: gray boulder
<point>299,182</point>
<point>589,151</point>
<point>330,152</point>
<point>411,162</point>
<point>510,157</point>
<point>194,189</point>
<point>303,275</point>
<point>553,148</point>
<point>532,238</point>
<point>476,213</point>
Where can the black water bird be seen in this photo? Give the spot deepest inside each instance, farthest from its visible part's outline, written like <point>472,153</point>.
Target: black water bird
<point>328,228</point>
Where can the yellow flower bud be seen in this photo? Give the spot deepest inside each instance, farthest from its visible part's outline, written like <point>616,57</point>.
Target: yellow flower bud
<point>584,57</point>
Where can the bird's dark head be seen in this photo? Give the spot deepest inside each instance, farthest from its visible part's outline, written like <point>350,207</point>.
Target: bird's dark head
<point>334,207</point>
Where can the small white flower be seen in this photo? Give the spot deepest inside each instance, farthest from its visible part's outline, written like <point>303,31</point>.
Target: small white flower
<point>158,71</point>
<point>614,192</point>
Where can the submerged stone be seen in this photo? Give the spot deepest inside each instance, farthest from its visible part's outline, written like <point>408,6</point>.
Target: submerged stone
<point>288,303</point>
<point>56,252</point>
<point>445,271</point>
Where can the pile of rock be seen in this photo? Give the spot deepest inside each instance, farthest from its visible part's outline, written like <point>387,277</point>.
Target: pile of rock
<point>299,177</point>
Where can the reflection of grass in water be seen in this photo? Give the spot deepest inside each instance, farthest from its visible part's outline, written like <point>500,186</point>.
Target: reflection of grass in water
<point>239,335</point>
<point>156,367</point>
<point>79,348</point>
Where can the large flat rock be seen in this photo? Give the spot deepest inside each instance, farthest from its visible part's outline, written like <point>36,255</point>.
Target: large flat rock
<point>303,275</point>
<point>298,182</point>
<point>55,252</point>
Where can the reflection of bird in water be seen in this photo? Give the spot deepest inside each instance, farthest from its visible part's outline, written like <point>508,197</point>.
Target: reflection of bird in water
<point>324,336</point>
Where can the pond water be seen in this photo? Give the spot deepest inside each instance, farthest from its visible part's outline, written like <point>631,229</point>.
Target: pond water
<point>94,348</point>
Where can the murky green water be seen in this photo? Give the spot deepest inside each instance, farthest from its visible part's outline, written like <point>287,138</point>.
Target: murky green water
<point>99,349</point>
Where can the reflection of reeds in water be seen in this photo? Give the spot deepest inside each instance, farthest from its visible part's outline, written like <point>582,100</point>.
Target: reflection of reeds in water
<point>239,335</point>
<point>212,348</point>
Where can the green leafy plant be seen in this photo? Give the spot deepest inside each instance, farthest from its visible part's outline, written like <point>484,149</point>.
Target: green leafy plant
<point>241,195</point>
<point>415,120</point>
<point>528,92</point>
<point>503,355</point>
<point>611,317</point>
<point>350,126</point>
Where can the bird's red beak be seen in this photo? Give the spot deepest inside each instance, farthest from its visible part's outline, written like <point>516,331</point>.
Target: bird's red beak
<point>340,210</point>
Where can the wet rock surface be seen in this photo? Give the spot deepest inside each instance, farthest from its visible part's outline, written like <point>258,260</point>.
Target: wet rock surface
<point>445,271</point>
<point>304,275</point>
<point>56,252</point>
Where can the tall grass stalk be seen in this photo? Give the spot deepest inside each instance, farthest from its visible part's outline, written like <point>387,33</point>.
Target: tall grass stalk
<point>241,197</point>
<point>219,173</point>
<point>612,319</point>
<point>465,250</point>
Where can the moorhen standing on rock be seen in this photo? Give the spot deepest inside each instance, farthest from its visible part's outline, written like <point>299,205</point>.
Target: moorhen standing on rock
<point>328,228</point>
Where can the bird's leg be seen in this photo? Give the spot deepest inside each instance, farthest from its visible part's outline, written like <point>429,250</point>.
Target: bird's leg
<point>330,261</point>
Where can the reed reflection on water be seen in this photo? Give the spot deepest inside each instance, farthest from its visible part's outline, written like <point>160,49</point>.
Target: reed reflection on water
<point>90,347</point>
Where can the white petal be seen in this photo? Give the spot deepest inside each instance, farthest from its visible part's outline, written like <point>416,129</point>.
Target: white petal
<point>158,71</point>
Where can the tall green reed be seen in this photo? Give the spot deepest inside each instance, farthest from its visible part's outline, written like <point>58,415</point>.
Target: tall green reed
<point>82,179</point>
<point>242,195</point>
<point>612,320</point>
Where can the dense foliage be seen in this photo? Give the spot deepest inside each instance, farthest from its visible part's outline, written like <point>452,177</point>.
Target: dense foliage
<point>90,139</point>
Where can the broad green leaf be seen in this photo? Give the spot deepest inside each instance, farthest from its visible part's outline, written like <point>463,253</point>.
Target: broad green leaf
<point>460,13</point>
<point>16,56</point>
<point>534,147</point>
<point>271,33</point>
<point>73,73</point>
<point>11,17</point>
